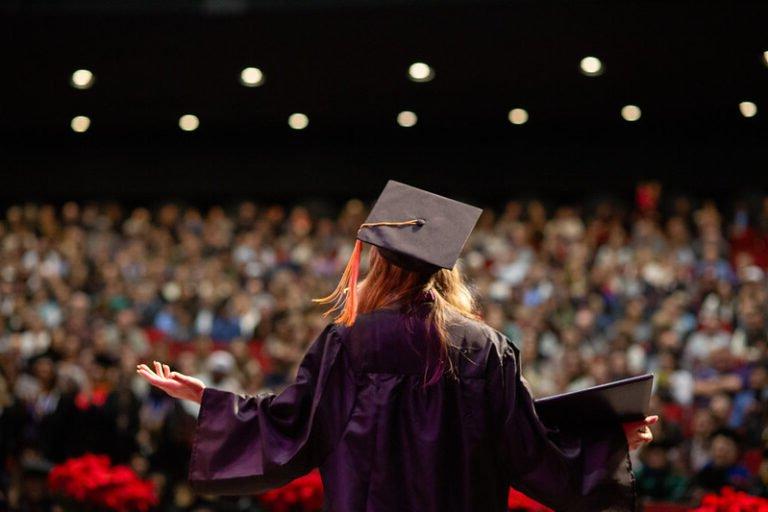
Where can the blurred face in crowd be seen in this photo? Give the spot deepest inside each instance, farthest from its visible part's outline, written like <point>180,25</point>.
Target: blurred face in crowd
<point>711,252</point>
<point>655,457</point>
<point>758,378</point>
<point>45,372</point>
<point>572,366</point>
<point>618,364</point>
<point>667,361</point>
<point>720,405</point>
<point>635,309</point>
<point>724,451</point>
<point>754,319</point>
<point>571,338</point>
<point>677,230</point>
<point>494,316</point>
<point>126,318</point>
<point>703,423</point>
<point>598,370</point>
<point>585,320</point>
<point>721,359</point>
<point>186,363</point>
<point>709,323</point>
<point>669,340</point>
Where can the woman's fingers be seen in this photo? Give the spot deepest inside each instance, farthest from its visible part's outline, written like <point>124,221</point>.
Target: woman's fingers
<point>641,437</point>
<point>179,376</point>
<point>175,384</point>
<point>639,432</point>
<point>159,377</point>
<point>151,377</point>
<point>184,379</point>
<point>145,368</point>
<point>159,368</point>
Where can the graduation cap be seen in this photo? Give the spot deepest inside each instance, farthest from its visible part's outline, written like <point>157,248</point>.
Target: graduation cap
<point>418,230</point>
<point>413,229</point>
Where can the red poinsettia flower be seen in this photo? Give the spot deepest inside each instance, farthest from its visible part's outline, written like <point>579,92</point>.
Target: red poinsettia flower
<point>732,501</point>
<point>92,481</point>
<point>304,494</point>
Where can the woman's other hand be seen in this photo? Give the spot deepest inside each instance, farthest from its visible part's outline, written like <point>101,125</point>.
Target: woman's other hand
<point>175,384</point>
<point>639,432</point>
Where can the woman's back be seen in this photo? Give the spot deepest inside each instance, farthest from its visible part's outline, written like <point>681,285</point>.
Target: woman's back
<point>411,446</point>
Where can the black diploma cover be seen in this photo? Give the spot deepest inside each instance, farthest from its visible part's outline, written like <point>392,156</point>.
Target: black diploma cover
<point>622,400</point>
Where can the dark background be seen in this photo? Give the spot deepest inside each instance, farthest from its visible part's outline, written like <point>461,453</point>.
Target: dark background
<point>687,64</point>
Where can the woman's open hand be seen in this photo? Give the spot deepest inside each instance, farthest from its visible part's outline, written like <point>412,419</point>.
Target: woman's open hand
<point>175,384</point>
<point>639,432</point>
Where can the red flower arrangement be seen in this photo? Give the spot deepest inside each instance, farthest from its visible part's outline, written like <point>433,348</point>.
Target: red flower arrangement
<point>732,501</point>
<point>305,494</point>
<point>91,482</point>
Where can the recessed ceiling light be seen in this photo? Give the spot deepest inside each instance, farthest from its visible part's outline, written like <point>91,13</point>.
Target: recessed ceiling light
<point>631,112</point>
<point>82,79</point>
<point>420,72</point>
<point>251,77</point>
<point>406,119</point>
<point>748,109</point>
<point>298,121</point>
<point>189,122</point>
<point>518,116</point>
<point>591,66</point>
<point>80,124</point>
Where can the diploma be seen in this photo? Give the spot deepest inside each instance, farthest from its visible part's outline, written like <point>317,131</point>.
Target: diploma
<point>622,400</point>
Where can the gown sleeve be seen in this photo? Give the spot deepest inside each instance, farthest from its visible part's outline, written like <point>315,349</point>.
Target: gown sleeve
<point>566,470</point>
<point>248,444</point>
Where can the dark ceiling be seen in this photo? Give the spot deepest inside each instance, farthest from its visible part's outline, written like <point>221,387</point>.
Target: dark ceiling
<point>686,64</point>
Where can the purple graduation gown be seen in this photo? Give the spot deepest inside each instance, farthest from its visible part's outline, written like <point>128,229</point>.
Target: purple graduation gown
<point>385,442</point>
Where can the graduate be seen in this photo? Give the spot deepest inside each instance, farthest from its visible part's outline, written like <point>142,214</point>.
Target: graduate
<point>407,401</point>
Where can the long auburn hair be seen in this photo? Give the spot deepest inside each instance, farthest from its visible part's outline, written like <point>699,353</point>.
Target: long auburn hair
<point>386,285</point>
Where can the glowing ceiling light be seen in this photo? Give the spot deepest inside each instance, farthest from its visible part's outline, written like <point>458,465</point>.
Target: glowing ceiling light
<point>80,124</point>
<point>406,119</point>
<point>420,72</point>
<point>189,122</point>
<point>298,121</point>
<point>631,113</point>
<point>591,66</point>
<point>518,116</point>
<point>251,77</point>
<point>82,79</point>
<point>748,109</point>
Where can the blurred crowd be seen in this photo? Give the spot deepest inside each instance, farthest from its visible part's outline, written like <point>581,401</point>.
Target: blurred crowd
<point>591,293</point>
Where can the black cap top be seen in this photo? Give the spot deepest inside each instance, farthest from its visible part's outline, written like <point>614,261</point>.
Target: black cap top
<point>416,229</point>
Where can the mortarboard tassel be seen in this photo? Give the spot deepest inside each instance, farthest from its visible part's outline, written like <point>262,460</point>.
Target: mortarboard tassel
<point>344,297</point>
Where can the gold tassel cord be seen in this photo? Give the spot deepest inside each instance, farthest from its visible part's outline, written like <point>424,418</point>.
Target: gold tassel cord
<point>397,224</point>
